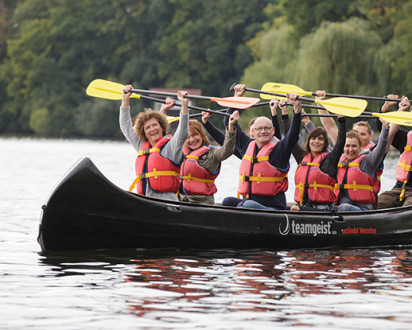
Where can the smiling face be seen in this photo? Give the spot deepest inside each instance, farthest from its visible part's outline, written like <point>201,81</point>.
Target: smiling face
<point>153,131</point>
<point>316,145</point>
<point>364,133</point>
<point>352,148</point>
<point>194,141</point>
<point>263,131</point>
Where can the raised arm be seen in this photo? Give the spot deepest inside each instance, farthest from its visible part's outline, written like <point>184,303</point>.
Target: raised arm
<point>125,120</point>
<point>327,122</point>
<point>166,106</point>
<point>285,146</point>
<point>273,104</point>
<point>173,150</point>
<point>394,132</point>
<point>375,158</point>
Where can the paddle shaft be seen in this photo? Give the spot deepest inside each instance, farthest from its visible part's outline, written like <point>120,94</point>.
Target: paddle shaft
<point>375,98</point>
<point>333,115</point>
<point>199,97</point>
<point>224,110</point>
<point>192,107</point>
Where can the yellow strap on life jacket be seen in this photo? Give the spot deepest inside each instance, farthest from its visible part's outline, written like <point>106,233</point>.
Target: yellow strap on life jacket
<point>402,195</point>
<point>190,177</point>
<point>258,159</point>
<point>147,151</point>
<point>134,183</point>
<point>351,164</point>
<point>405,167</point>
<point>310,164</point>
<point>356,186</point>
<point>192,156</point>
<point>155,174</point>
<point>260,179</point>
<point>407,148</point>
<point>301,186</point>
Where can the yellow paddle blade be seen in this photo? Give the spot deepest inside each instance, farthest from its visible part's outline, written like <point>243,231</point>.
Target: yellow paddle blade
<point>105,89</point>
<point>284,88</point>
<point>344,106</point>
<point>396,117</point>
<point>266,88</point>
<point>171,119</point>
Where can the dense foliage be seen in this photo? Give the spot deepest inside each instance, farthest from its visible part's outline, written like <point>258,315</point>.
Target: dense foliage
<point>51,50</point>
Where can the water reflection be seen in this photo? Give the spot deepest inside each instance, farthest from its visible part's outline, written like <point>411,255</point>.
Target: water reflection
<point>219,281</point>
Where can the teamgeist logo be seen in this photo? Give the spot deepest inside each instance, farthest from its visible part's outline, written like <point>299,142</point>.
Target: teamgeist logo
<point>304,228</point>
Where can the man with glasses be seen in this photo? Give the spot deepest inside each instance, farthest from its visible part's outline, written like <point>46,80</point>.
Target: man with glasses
<point>264,167</point>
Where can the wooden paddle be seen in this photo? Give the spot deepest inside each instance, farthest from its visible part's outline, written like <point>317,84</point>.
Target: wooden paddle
<point>287,88</point>
<point>113,91</point>
<point>340,105</point>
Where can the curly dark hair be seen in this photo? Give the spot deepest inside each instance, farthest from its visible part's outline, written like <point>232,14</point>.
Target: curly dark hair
<point>143,117</point>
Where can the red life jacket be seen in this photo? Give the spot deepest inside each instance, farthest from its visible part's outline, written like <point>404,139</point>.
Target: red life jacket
<point>404,165</point>
<point>320,186</point>
<point>196,179</point>
<point>162,173</point>
<point>360,186</point>
<point>370,145</point>
<point>257,176</point>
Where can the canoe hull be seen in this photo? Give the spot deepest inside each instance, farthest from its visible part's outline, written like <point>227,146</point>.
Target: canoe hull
<point>87,211</point>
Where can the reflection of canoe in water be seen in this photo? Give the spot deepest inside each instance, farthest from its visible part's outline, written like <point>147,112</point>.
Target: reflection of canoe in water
<point>86,211</point>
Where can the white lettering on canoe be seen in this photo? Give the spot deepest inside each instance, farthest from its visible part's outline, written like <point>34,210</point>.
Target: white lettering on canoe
<point>304,228</point>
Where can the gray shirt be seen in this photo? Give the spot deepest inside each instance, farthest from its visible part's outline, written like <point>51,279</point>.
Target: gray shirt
<point>173,150</point>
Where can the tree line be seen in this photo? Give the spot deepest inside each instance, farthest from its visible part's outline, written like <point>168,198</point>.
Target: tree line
<point>51,50</point>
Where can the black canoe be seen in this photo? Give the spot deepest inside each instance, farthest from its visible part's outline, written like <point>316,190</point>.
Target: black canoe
<point>87,211</point>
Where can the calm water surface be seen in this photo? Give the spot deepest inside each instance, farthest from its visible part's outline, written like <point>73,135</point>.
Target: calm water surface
<point>178,289</point>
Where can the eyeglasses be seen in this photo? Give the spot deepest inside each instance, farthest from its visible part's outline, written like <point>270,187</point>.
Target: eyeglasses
<point>264,128</point>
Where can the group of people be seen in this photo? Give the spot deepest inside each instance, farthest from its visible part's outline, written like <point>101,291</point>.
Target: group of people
<point>345,177</point>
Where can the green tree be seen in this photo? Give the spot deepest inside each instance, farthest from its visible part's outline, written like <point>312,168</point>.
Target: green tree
<point>204,45</point>
<point>402,66</point>
<point>343,58</point>
<point>307,16</point>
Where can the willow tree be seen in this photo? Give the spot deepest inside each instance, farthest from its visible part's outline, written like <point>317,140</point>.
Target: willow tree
<point>347,57</point>
<point>402,67</point>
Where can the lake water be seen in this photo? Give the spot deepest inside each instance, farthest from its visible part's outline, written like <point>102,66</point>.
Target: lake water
<point>178,289</point>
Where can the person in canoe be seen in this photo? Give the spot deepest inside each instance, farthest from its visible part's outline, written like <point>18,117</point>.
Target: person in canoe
<point>358,185</point>
<point>202,162</point>
<point>265,164</point>
<point>159,154</point>
<point>401,139</point>
<point>316,174</point>
<point>365,131</point>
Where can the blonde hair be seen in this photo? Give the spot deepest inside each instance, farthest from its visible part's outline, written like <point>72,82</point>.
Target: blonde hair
<point>363,123</point>
<point>143,117</point>
<point>197,127</point>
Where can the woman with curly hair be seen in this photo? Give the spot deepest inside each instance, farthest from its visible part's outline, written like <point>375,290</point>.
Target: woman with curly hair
<point>159,154</point>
